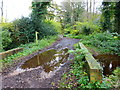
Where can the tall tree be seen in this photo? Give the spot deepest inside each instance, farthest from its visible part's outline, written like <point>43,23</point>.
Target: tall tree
<point>117,17</point>
<point>39,10</point>
<point>106,16</point>
<point>72,12</point>
<point>1,11</point>
<point>93,7</point>
<point>90,8</point>
<point>87,9</point>
<point>67,11</point>
<point>38,16</point>
<point>111,16</point>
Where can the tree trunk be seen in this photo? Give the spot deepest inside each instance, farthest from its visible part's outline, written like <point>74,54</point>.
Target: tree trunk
<point>87,10</point>
<point>2,11</point>
<point>90,8</point>
<point>93,7</point>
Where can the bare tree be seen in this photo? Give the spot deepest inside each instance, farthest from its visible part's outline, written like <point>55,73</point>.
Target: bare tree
<point>2,11</point>
<point>6,15</point>
<point>87,9</point>
<point>90,5</point>
<point>90,9</point>
<point>93,7</point>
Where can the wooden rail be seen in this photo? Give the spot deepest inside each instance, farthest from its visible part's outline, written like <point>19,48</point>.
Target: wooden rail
<point>9,52</point>
<point>93,67</point>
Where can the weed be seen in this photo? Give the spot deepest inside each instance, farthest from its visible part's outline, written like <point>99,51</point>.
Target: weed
<point>77,77</point>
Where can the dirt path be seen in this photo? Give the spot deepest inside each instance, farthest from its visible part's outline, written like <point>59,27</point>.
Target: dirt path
<point>34,78</point>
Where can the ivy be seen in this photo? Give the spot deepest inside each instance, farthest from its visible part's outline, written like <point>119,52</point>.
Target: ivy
<point>110,16</point>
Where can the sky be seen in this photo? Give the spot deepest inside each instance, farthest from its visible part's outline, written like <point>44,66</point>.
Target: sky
<point>18,8</point>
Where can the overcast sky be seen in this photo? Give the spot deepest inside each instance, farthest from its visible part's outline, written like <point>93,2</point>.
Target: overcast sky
<point>17,8</point>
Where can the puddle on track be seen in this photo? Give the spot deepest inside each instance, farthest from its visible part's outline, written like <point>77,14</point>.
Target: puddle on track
<point>108,62</point>
<point>50,61</point>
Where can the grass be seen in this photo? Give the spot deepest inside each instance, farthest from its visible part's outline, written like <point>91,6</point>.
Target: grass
<point>29,49</point>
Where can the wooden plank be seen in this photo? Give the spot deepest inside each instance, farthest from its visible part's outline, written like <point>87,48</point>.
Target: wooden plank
<point>9,53</point>
<point>95,70</point>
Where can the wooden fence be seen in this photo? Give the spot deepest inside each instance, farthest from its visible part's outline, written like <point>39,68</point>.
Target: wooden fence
<point>10,52</point>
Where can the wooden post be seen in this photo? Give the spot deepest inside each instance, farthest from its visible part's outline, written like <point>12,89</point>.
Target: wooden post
<point>36,37</point>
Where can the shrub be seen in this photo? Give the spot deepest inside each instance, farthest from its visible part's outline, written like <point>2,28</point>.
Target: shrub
<point>52,27</point>
<point>67,31</point>
<point>75,32</point>
<point>26,28</point>
<point>87,27</point>
<point>6,40</point>
<point>22,31</point>
<point>105,42</point>
<point>6,34</point>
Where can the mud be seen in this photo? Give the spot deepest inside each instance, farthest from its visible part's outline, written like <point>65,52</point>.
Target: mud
<point>29,74</point>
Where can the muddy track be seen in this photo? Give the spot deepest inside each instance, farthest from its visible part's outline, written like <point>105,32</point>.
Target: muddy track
<point>34,78</point>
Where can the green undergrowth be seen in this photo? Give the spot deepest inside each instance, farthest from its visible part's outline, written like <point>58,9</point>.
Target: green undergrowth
<point>114,79</point>
<point>102,42</point>
<point>77,77</point>
<point>29,49</point>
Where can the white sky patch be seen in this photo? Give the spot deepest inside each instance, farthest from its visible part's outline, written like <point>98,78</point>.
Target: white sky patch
<point>13,9</point>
